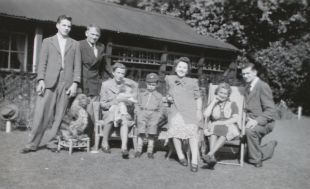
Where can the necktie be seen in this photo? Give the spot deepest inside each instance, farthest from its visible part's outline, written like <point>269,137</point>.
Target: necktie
<point>248,89</point>
<point>95,50</point>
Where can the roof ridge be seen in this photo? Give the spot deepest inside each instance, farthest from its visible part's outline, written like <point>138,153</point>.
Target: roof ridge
<point>134,9</point>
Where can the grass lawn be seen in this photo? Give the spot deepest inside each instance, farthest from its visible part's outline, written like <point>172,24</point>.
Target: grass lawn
<point>289,168</point>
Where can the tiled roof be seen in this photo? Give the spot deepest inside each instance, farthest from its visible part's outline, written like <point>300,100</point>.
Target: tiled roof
<point>112,17</point>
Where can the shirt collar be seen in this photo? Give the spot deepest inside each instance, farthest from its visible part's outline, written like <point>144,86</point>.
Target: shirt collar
<point>91,44</point>
<point>253,83</point>
<point>60,37</point>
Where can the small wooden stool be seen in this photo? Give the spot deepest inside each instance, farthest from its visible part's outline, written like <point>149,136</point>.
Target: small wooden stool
<point>74,143</point>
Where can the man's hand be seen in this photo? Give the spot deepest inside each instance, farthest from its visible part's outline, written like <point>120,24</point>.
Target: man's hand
<point>41,88</point>
<point>251,123</point>
<point>71,92</point>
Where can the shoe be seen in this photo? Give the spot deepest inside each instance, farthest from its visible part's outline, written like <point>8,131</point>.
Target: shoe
<point>53,150</point>
<point>210,160</point>
<point>194,167</point>
<point>106,150</point>
<point>27,150</point>
<point>125,154</point>
<point>150,155</point>
<point>183,162</point>
<point>258,164</point>
<point>138,154</point>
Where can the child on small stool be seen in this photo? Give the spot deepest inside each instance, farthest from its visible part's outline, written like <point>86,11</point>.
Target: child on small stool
<point>149,111</point>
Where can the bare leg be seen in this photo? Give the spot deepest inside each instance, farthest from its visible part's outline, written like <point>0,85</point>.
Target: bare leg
<point>218,144</point>
<point>178,148</point>
<point>140,142</point>
<point>106,135</point>
<point>124,135</point>
<point>193,142</point>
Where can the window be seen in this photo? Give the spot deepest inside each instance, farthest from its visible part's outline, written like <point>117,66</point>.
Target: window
<point>13,51</point>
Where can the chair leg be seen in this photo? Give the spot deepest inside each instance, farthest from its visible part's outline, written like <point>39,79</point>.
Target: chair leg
<point>242,154</point>
<point>70,147</point>
<point>135,142</point>
<point>88,145</point>
<point>97,138</point>
<point>58,146</point>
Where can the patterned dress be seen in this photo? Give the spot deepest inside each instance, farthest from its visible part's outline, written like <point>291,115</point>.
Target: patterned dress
<point>223,113</point>
<point>182,118</point>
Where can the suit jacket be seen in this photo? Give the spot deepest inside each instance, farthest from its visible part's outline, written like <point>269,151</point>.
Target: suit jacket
<point>92,68</point>
<point>259,104</point>
<point>50,63</point>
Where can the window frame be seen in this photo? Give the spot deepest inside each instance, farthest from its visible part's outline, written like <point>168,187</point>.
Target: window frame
<point>10,51</point>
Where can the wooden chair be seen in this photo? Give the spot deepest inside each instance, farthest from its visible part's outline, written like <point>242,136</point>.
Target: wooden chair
<point>239,142</point>
<point>99,125</point>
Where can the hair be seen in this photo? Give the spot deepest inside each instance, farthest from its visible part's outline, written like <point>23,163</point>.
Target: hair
<point>249,65</point>
<point>118,65</point>
<point>64,17</point>
<point>225,86</point>
<point>94,26</point>
<point>182,59</point>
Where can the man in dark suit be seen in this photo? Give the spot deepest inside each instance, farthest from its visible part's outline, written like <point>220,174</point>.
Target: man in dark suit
<point>93,64</point>
<point>260,110</point>
<point>93,67</point>
<point>59,73</point>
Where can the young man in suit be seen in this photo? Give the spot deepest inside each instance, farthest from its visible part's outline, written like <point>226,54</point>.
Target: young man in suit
<point>260,110</point>
<point>59,73</point>
<point>93,66</point>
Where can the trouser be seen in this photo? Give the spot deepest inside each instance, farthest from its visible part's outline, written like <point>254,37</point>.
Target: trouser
<point>90,109</point>
<point>256,151</point>
<point>49,110</point>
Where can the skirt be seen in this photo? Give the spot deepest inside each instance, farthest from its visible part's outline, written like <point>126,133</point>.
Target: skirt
<point>179,129</point>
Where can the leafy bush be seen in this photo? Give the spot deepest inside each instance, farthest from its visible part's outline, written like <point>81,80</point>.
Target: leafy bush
<point>283,63</point>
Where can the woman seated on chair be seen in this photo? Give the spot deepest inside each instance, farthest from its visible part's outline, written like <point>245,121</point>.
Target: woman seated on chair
<point>222,116</point>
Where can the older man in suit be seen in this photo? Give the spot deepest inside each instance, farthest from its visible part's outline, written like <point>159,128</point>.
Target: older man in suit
<point>59,73</point>
<point>260,110</point>
<point>93,66</point>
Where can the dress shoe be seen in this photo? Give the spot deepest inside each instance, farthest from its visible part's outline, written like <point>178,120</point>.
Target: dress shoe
<point>125,154</point>
<point>258,164</point>
<point>194,167</point>
<point>27,150</point>
<point>150,155</point>
<point>106,150</point>
<point>138,154</point>
<point>183,162</point>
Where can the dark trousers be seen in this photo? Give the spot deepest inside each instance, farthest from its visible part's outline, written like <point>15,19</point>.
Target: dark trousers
<point>256,151</point>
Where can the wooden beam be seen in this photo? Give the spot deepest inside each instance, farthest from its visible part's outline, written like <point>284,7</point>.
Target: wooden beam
<point>37,43</point>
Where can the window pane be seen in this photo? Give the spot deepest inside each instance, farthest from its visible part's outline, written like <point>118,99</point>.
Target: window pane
<point>18,42</point>
<point>4,59</point>
<point>17,60</point>
<point>4,41</point>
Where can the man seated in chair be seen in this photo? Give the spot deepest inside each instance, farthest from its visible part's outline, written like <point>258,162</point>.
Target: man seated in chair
<point>260,110</point>
<point>109,97</point>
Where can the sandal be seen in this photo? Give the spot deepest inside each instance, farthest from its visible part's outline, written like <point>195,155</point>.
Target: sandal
<point>183,162</point>
<point>194,167</point>
<point>106,149</point>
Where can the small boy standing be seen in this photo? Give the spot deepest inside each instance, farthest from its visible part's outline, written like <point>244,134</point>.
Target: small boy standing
<point>149,111</point>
